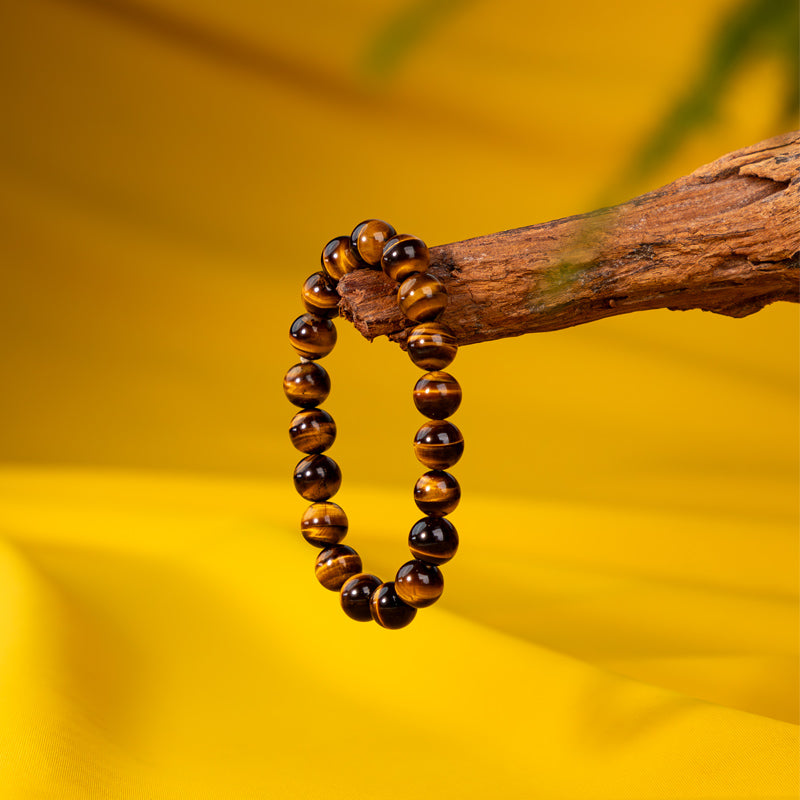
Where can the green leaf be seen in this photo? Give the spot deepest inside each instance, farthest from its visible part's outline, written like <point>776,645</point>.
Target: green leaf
<point>755,29</point>
<point>404,32</point>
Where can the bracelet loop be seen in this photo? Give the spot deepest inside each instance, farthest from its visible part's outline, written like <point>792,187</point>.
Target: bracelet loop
<point>438,443</point>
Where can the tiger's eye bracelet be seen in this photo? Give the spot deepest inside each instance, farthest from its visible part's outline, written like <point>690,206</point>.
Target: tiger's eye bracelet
<point>438,443</point>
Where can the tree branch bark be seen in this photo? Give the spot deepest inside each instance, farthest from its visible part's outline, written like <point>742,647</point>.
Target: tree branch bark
<point>724,239</point>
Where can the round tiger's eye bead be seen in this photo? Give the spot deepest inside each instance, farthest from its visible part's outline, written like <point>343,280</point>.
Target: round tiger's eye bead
<point>339,258</point>
<point>422,297</point>
<point>438,444</point>
<point>317,478</point>
<point>312,337</point>
<point>306,385</point>
<point>319,296</point>
<point>437,395</point>
<point>433,540</point>
<point>388,610</point>
<point>403,255</point>
<point>336,565</point>
<point>431,345</point>
<point>323,524</point>
<point>419,584</point>
<point>437,493</point>
<point>355,596</point>
<point>368,239</point>
<point>312,430</point>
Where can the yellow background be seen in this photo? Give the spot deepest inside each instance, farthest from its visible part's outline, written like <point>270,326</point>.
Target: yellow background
<point>621,620</point>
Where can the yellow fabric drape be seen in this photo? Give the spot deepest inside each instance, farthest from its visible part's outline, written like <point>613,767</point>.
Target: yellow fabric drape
<point>621,619</point>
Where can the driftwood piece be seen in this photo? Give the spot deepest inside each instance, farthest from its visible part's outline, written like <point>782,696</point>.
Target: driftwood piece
<point>723,239</point>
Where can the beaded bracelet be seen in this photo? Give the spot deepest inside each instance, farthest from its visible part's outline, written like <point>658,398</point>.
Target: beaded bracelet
<point>438,443</point>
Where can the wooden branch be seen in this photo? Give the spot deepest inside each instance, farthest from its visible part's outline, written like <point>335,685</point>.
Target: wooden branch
<point>723,239</point>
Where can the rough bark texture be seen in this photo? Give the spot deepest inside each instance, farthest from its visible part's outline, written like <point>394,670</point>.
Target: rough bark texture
<point>725,239</point>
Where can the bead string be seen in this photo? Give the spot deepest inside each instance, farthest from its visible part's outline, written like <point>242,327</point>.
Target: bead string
<point>438,443</point>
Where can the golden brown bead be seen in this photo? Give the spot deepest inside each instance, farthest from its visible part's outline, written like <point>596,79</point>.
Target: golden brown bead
<point>312,430</point>
<point>312,337</point>
<point>422,297</point>
<point>403,255</point>
<point>336,565</point>
<point>431,345</point>
<point>437,395</point>
<point>368,239</point>
<point>339,258</point>
<point>438,444</point>
<point>433,539</point>
<point>317,477</point>
<point>388,610</point>
<point>306,385</point>
<point>319,296</point>
<point>323,524</point>
<point>419,584</point>
<point>437,493</point>
<point>356,594</point>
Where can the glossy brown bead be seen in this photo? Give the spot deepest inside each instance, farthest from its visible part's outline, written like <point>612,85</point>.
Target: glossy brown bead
<point>339,258</point>
<point>437,395</point>
<point>317,478</point>
<point>312,337</point>
<point>419,584</point>
<point>312,430</point>
<point>437,493</point>
<point>369,238</point>
<point>433,540</point>
<point>306,385</point>
<point>323,524</point>
<point>404,255</point>
<point>431,345</point>
<point>319,296</point>
<point>355,595</point>
<point>388,610</point>
<point>336,565</point>
<point>438,444</point>
<point>422,297</point>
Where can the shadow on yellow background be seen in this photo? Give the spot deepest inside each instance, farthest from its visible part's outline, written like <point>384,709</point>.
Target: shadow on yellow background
<point>621,620</point>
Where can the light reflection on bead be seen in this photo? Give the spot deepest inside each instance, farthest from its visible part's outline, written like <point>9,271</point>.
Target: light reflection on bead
<point>419,584</point>
<point>306,384</point>
<point>438,444</point>
<point>433,539</point>
<point>339,258</point>
<point>369,238</point>
<point>431,345</point>
<point>336,565</point>
<point>355,596</point>
<point>404,255</point>
<point>437,493</point>
<point>388,610</point>
<point>323,524</point>
<point>317,477</point>
<point>422,297</point>
<point>319,296</point>
<point>312,337</point>
<point>312,430</point>
<point>437,395</point>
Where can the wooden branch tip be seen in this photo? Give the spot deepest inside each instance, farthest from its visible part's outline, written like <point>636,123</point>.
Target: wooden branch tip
<point>725,239</point>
